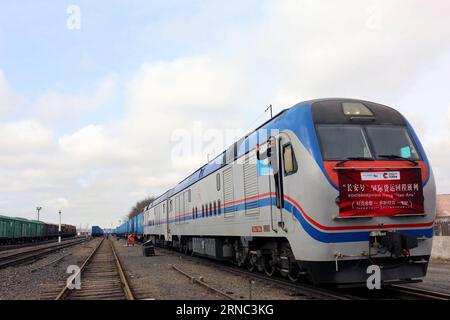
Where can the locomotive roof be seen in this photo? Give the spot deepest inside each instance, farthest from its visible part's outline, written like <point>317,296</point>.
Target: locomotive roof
<point>330,111</point>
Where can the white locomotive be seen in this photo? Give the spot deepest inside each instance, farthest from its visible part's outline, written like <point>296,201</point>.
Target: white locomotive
<point>280,200</point>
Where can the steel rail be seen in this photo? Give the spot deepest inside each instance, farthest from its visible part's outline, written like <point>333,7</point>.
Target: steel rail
<point>66,287</point>
<point>306,289</point>
<point>99,267</point>
<point>316,292</point>
<point>422,293</point>
<point>201,282</point>
<point>8,247</point>
<point>21,257</point>
<point>123,277</point>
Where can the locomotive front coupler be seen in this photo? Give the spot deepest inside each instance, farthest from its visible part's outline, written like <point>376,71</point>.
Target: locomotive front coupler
<point>396,243</point>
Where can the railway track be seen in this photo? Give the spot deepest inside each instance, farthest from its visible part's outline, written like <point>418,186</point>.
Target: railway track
<point>391,292</point>
<point>16,257</point>
<point>102,277</point>
<point>7,247</point>
<point>407,293</point>
<point>297,288</point>
<point>202,283</point>
<point>309,291</point>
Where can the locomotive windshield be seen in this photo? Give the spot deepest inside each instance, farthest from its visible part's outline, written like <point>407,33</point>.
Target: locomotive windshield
<point>340,142</point>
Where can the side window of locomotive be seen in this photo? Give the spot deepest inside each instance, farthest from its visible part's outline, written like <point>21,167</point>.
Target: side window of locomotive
<point>189,195</point>
<point>290,163</point>
<point>218,181</point>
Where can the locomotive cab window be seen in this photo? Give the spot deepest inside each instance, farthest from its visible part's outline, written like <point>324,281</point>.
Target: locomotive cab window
<point>290,163</point>
<point>356,142</point>
<point>400,144</point>
<point>339,142</point>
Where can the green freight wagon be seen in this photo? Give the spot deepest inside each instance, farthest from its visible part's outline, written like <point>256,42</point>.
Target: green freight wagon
<point>6,229</point>
<point>19,229</point>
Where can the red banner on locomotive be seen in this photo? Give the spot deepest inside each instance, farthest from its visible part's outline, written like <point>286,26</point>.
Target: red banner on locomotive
<point>378,192</point>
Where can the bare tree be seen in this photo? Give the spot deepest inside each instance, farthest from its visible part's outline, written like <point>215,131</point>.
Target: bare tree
<point>140,206</point>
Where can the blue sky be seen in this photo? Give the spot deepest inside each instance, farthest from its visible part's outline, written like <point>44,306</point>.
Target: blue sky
<point>89,116</point>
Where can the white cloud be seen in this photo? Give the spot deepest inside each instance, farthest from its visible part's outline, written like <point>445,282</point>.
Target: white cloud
<point>24,136</point>
<point>164,97</point>
<point>190,84</point>
<point>306,49</point>
<point>87,142</point>
<point>8,101</point>
<point>55,105</point>
<point>56,203</point>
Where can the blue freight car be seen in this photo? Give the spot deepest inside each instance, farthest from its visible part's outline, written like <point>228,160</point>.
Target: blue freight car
<point>97,231</point>
<point>133,226</point>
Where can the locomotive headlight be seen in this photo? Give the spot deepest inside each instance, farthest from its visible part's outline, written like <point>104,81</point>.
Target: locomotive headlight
<point>355,109</point>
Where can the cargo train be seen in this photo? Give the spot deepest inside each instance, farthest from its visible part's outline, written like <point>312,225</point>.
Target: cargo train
<point>14,230</point>
<point>321,191</point>
<point>96,231</point>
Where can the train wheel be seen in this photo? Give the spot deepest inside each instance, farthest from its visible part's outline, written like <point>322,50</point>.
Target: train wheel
<point>250,265</point>
<point>269,268</point>
<point>294,276</point>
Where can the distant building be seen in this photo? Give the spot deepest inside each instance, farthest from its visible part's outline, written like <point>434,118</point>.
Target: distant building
<point>443,205</point>
<point>442,223</point>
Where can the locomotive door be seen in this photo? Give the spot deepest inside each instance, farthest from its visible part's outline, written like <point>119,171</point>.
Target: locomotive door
<point>280,164</point>
<point>268,179</point>
<point>287,170</point>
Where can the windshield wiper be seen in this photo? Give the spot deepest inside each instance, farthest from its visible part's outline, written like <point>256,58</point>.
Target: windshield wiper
<point>394,156</point>
<point>354,159</point>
